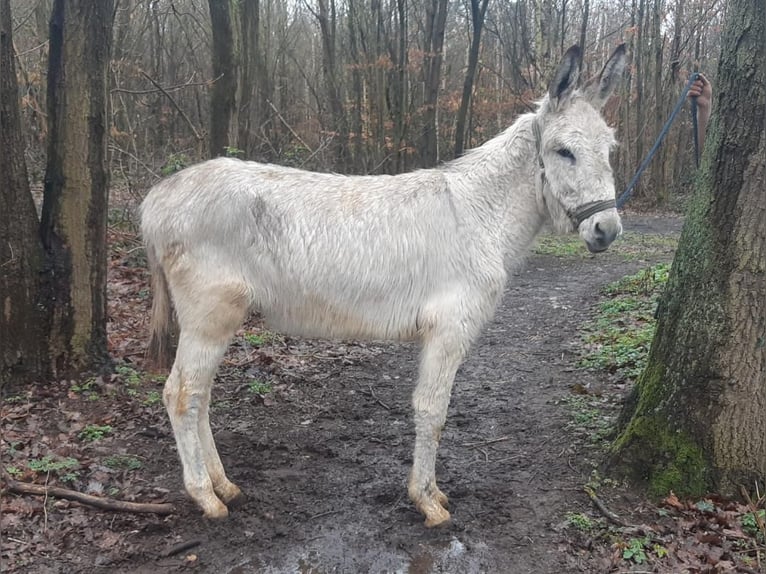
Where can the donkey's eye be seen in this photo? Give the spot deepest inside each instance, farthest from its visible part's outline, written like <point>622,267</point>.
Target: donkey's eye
<point>564,152</point>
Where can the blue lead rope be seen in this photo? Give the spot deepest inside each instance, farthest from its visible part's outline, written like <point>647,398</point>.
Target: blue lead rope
<point>665,129</point>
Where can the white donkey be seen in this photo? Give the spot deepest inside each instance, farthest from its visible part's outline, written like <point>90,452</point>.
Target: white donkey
<point>418,256</point>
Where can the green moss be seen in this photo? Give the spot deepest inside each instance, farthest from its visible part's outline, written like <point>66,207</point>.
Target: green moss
<point>652,451</point>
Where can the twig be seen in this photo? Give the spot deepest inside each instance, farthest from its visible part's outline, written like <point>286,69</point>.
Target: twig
<point>381,403</point>
<point>181,547</point>
<point>19,487</point>
<point>321,514</point>
<point>611,516</point>
<point>189,83</point>
<point>486,442</point>
<point>288,126</point>
<point>45,503</point>
<point>175,105</point>
<point>754,509</point>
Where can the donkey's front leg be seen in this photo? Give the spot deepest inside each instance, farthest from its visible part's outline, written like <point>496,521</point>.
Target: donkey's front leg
<point>440,358</point>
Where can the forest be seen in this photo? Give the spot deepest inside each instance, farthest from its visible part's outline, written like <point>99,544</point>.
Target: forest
<point>611,417</point>
<point>370,87</point>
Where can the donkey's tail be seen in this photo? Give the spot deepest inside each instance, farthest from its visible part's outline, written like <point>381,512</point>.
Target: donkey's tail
<point>161,338</point>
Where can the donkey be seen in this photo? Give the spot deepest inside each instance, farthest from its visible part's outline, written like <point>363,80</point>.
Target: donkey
<point>419,256</point>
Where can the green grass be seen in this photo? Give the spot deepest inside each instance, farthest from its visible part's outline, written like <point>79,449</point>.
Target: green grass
<point>587,417</point>
<point>560,246</point>
<point>259,339</point>
<point>629,246</point>
<point>618,339</point>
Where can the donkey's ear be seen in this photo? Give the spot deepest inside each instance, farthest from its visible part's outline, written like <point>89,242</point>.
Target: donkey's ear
<point>564,81</point>
<point>599,89</point>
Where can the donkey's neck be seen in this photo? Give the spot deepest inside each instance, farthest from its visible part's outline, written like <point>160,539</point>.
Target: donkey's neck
<point>496,182</point>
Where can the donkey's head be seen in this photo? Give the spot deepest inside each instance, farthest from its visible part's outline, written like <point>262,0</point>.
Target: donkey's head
<point>573,143</point>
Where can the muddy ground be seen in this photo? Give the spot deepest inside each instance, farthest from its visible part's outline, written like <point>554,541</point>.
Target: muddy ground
<point>324,454</point>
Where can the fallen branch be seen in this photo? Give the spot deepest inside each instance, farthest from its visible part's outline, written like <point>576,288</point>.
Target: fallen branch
<point>610,516</point>
<point>19,487</point>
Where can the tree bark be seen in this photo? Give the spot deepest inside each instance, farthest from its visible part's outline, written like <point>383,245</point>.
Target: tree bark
<point>331,71</point>
<point>697,418</point>
<point>225,95</point>
<point>436,21</point>
<point>22,320</point>
<point>73,225</point>
<point>478,13</point>
<point>251,109</point>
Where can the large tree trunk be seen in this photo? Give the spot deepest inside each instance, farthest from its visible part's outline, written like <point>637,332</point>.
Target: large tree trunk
<point>73,226</point>
<point>225,95</point>
<point>697,419</point>
<point>22,320</point>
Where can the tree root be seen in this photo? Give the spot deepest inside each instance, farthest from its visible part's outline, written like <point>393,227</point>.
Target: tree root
<point>610,516</point>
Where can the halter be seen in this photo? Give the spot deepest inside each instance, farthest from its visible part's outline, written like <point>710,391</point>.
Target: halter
<point>579,214</point>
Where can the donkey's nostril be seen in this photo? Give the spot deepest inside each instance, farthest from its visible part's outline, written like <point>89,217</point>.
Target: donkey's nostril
<point>599,232</point>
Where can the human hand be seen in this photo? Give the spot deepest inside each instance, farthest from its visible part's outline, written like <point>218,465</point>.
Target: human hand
<point>703,91</point>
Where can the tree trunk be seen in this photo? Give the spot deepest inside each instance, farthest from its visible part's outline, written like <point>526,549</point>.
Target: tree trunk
<point>401,85</point>
<point>73,226</point>
<point>697,418</point>
<point>659,189</point>
<point>584,28</point>
<point>436,21</point>
<point>225,95</point>
<point>251,109</point>
<point>331,71</point>
<point>477,23</point>
<point>22,321</point>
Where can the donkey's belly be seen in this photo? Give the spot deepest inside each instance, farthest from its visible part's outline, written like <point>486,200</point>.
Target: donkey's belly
<point>318,318</point>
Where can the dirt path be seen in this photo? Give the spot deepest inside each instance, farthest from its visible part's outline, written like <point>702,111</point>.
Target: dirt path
<point>324,460</point>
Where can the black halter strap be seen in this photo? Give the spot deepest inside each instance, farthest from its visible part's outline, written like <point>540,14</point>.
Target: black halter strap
<point>579,214</point>
<point>585,211</point>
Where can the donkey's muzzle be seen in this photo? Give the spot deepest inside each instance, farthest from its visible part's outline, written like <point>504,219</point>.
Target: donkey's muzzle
<point>604,232</point>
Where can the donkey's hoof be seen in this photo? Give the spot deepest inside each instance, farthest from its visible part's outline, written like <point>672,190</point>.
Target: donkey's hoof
<point>238,500</point>
<point>230,494</point>
<point>215,510</point>
<point>437,517</point>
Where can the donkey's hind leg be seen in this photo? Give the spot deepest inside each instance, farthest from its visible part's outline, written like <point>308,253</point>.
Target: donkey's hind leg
<point>444,348</point>
<point>208,317</point>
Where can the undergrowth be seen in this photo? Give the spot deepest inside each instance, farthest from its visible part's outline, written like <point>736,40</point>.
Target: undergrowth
<point>618,339</point>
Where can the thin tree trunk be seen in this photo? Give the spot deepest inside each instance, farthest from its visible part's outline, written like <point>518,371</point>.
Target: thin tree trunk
<point>400,109</point>
<point>584,27</point>
<point>478,11</point>
<point>251,75</point>
<point>436,20</point>
<point>225,95</point>
<point>327,18</point>
<point>73,225</point>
